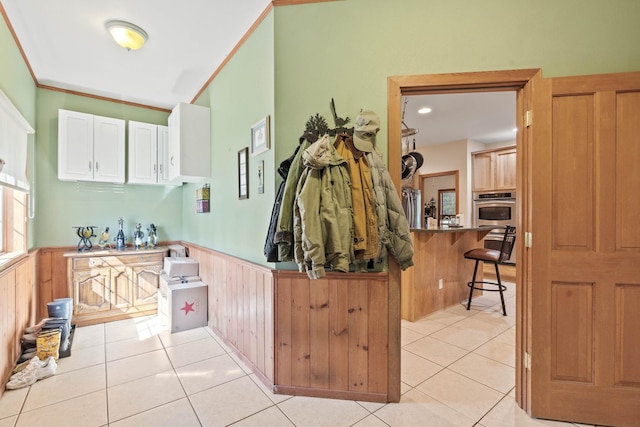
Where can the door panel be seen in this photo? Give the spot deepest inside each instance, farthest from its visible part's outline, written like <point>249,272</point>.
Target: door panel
<point>585,287</point>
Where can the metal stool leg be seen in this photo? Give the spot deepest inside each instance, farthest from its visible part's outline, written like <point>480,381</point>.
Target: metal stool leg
<point>472,284</point>
<point>504,309</point>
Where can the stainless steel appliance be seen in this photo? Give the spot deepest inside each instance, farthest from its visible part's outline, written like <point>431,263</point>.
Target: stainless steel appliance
<point>412,204</point>
<point>495,210</point>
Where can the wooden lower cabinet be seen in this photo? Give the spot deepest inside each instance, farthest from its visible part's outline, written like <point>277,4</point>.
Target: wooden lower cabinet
<point>111,285</point>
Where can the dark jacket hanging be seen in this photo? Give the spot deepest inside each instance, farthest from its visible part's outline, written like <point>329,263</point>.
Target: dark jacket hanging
<point>270,248</point>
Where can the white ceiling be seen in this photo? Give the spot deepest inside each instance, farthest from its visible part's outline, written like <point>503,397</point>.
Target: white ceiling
<point>486,117</point>
<point>68,47</point>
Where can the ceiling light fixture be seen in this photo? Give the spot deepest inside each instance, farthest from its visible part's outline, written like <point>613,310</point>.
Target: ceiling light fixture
<point>424,110</point>
<point>127,35</point>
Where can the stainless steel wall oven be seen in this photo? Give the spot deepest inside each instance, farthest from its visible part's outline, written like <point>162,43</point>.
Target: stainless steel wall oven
<point>495,210</point>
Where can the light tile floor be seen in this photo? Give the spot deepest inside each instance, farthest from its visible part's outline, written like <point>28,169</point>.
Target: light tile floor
<point>457,370</point>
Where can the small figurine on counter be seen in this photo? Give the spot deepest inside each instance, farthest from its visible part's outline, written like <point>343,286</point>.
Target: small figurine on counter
<point>85,234</point>
<point>120,239</point>
<point>152,236</point>
<point>138,237</point>
<point>103,240</point>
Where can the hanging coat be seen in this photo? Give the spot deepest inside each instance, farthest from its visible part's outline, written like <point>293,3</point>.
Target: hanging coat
<point>323,221</point>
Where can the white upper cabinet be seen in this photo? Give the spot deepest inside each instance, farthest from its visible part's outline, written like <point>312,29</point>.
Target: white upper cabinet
<point>163,156</point>
<point>148,154</point>
<point>189,143</point>
<point>90,148</point>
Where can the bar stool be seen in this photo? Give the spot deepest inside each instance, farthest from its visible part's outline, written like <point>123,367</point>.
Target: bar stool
<point>494,257</point>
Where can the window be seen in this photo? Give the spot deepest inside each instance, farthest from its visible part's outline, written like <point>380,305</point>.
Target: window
<point>14,184</point>
<point>13,226</point>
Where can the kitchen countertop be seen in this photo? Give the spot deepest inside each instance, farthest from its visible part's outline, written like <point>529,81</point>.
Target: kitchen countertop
<point>130,250</point>
<point>450,229</point>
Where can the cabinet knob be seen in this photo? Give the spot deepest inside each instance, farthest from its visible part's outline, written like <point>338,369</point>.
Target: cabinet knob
<point>155,168</point>
<point>89,165</point>
<point>171,161</point>
<point>96,166</point>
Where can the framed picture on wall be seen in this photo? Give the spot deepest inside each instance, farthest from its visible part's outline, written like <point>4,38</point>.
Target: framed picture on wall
<point>260,137</point>
<point>243,176</point>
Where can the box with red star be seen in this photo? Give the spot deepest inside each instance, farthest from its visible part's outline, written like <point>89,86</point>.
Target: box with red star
<point>187,306</point>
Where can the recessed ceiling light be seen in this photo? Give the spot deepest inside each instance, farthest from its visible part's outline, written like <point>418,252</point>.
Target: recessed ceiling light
<point>514,129</point>
<point>424,110</point>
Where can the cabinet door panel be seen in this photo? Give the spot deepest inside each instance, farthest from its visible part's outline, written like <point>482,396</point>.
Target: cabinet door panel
<point>108,149</point>
<point>75,146</point>
<point>145,288</point>
<point>506,169</point>
<point>91,290</point>
<point>121,287</point>
<point>483,172</point>
<point>143,153</point>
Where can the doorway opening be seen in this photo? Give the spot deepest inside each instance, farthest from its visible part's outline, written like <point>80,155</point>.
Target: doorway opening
<point>431,186</point>
<point>515,80</point>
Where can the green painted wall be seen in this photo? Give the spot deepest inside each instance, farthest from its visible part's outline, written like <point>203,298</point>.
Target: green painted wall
<point>61,205</point>
<point>347,49</point>
<point>240,95</point>
<point>292,65</point>
<point>16,82</point>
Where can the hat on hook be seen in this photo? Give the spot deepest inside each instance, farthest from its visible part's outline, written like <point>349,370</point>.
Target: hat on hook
<point>364,132</point>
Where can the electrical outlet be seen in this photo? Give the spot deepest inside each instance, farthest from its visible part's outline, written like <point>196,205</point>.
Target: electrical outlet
<point>440,284</point>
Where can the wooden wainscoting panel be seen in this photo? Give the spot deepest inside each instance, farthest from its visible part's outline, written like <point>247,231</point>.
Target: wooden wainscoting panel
<point>332,335</point>
<point>283,309</point>
<point>319,326</point>
<point>7,323</point>
<point>17,311</point>
<point>339,335</point>
<point>53,277</point>
<point>241,307</point>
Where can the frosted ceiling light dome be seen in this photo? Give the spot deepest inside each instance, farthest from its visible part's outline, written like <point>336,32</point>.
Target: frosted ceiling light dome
<point>424,110</point>
<point>127,35</point>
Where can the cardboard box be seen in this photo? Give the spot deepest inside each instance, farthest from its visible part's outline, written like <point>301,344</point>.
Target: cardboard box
<point>181,266</point>
<point>166,280</point>
<point>186,306</point>
<point>177,251</point>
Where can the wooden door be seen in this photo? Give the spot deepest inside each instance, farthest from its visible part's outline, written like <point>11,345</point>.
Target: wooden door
<point>585,252</point>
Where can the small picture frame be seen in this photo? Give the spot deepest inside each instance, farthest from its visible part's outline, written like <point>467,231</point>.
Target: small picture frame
<point>243,176</point>
<point>261,177</point>
<point>260,137</point>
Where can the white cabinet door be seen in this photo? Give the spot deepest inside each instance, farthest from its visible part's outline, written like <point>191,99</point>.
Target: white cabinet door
<point>143,153</point>
<point>189,143</point>
<point>75,146</point>
<point>90,148</point>
<point>108,149</point>
<point>163,155</point>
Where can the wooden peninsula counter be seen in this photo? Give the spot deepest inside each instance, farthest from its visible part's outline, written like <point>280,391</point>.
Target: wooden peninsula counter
<point>438,256</point>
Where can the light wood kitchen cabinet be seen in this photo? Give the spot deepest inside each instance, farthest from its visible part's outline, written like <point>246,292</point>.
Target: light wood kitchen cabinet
<point>148,154</point>
<point>189,143</point>
<point>111,285</point>
<point>90,148</point>
<point>494,170</point>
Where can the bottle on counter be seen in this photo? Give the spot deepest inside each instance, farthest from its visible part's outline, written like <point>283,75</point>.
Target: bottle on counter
<point>120,240</point>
